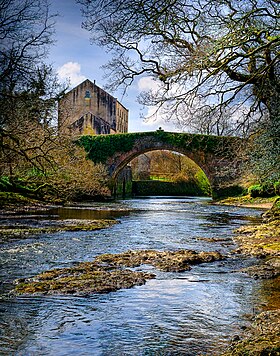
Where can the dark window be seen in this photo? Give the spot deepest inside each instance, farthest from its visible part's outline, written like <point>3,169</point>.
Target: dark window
<point>87,94</point>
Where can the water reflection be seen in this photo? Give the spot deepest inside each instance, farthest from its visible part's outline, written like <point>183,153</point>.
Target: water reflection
<point>88,214</point>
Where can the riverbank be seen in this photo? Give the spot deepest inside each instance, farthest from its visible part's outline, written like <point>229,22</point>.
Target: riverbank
<point>14,203</point>
<point>19,222</point>
<point>262,241</point>
<point>248,202</point>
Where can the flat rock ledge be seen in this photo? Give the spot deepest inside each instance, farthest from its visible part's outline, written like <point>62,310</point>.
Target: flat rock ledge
<point>107,273</point>
<point>19,231</point>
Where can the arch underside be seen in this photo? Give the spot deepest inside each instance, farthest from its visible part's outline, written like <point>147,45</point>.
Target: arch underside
<point>125,159</point>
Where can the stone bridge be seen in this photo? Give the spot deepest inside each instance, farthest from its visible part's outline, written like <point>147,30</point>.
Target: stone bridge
<point>215,155</point>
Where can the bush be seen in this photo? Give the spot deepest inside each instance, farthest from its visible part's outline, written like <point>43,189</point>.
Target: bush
<point>261,190</point>
<point>5,184</point>
<point>276,186</point>
<point>230,191</point>
<point>255,190</point>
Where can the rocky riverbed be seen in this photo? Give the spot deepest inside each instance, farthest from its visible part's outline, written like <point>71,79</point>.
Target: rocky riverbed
<point>108,272</point>
<point>263,241</point>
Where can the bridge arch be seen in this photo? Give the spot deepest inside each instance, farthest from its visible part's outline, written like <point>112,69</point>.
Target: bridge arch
<point>213,154</point>
<point>131,155</point>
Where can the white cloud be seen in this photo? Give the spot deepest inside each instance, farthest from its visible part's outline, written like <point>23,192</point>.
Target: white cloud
<point>148,83</point>
<point>71,71</point>
<point>153,117</point>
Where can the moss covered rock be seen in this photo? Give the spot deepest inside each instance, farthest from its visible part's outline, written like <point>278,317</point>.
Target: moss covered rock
<point>84,279</point>
<point>168,261</point>
<point>21,231</point>
<point>262,338</point>
<point>106,273</point>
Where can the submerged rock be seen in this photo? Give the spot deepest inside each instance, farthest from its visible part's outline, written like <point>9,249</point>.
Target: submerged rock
<point>20,230</point>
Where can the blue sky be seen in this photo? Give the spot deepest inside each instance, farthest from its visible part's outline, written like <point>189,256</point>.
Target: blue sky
<point>76,59</point>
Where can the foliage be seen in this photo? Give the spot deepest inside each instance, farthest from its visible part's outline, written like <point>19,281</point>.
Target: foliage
<point>214,48</point>
<point>71,177</point>
<point>14,199</point>
<point>171,167</point>
<point>152,187</point>
<point>28,87</point>
<point>203,183</point>
<point>276,186</point>
<point>264,190</point>
<point>34,159</point>
<point>264,153</point>
<point>230,191</point>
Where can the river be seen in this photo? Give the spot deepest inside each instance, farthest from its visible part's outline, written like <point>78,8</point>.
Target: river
<point>191,313</point>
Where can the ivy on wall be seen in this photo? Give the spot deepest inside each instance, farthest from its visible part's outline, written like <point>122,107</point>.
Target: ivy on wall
<point>99,148</point>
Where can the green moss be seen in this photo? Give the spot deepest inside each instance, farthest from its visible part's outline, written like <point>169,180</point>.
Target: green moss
<point>107,273</point>
<point>100,147</point>
<point>10,198</point>
<point>247,200</point>
<point>273,246</point>
<point>83,279</point>
<point>153,187</point>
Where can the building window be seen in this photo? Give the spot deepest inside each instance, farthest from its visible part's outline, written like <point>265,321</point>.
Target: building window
<point>87,94</point>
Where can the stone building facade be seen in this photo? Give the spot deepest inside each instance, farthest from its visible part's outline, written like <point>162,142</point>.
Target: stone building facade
<point>90,110</point>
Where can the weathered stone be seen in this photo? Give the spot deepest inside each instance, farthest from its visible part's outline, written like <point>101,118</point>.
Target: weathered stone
<point>21,230</point>
<point>262,338</point>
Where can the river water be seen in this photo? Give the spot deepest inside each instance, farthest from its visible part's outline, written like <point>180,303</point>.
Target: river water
<point>191,313</point>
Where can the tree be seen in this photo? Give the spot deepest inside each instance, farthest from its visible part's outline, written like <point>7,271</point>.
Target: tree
<point>229,43</point>
<point>217,56</point>
<point>34,157</point>
<point>28,88</point>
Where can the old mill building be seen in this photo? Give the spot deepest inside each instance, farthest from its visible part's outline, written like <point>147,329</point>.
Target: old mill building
<point>90,110</point>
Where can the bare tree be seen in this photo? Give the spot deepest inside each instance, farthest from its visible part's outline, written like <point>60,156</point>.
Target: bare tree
<point>28,88</point>
<point>218,56</point>
<point>215,48</point>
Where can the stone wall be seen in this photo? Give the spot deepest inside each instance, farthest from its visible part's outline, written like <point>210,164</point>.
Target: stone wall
<point>88,109</point>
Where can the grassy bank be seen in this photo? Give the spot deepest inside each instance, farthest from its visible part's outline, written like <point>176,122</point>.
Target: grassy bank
<point>249,202</point>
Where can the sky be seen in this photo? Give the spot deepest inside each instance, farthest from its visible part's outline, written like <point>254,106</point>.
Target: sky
<point>76,59</point>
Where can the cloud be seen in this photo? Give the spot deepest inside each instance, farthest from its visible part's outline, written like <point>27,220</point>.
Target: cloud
<point>71,71</point>
<point>148,83</point>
